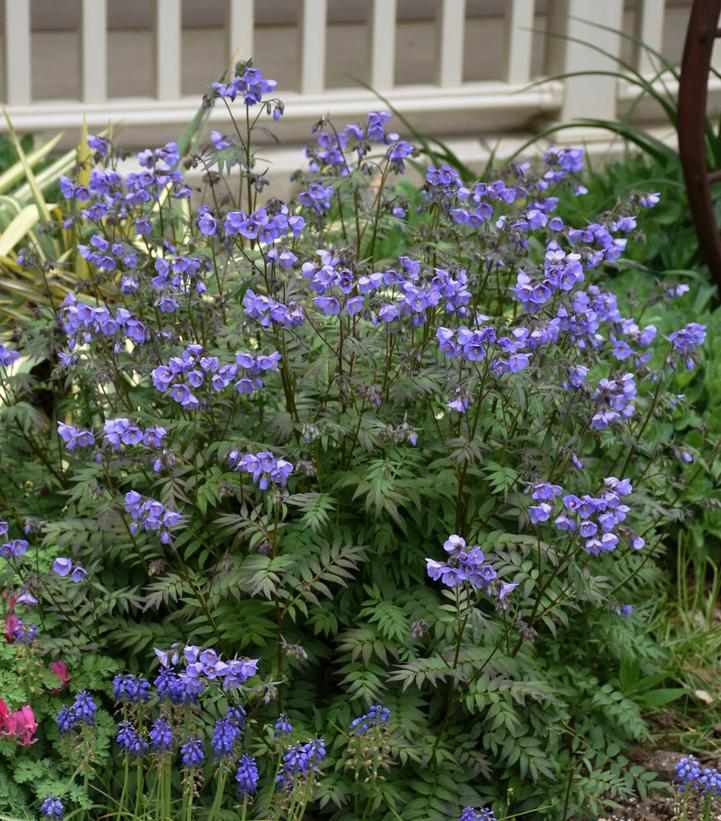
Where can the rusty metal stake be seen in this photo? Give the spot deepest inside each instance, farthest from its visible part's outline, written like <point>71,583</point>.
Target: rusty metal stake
<point>691,126</point>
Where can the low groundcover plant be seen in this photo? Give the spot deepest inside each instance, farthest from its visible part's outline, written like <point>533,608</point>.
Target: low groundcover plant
<point>382,473</point>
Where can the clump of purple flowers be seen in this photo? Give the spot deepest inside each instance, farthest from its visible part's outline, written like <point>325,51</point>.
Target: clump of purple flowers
<point>471,814</point>
<point>615,399</point>
<point>151,515</point>
<point>193,370</point>
<point>75,438</point>
<point>282,726</point>
<point>691,777</point>
<point>14,548</point>
<point>130,741</point>
<point>247,775</point>
<point>133,689</point>
<point>52,808</point>
<point>191,754</point>
<point>249,84</point>
<point>376,715</point>
<point>161,735</point>
<point>82,322</point>
<point>464,564</point>
<point>63,566</point>
<point>263,467</point>
<point>687,340</point>
<point>7,357</point>
<point>593,518</point>
<point>122,432</point>
<point>184,683</point>
<point>80,713</point>
<point>301,763</point>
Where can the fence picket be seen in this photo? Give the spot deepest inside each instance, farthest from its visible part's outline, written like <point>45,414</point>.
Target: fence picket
<point>167,34</point>
<point>93,51</point>
<point>312,31</point>
<point>381,44</point>
<point>18,78</point>
<point>450,26</point>
<point>239,29</point>
<point>519,40</point>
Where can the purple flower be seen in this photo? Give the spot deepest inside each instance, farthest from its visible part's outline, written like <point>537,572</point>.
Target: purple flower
<point>247,776</point>
<point>52,808</point>
<point>470,814</point>
<point>264,468</point>
<point>191,754</point>
<point>649,200</point>
<point>376,716</point>
<point>506,588</point>
<point>161,735</point>
<point>686,340</point>
<point>301,762</point>
<point>62,566</point>
<point>219,141</point>
<point>13,548</point>
<point>129,741</point>
<point>282,725</point>
<point>79,574</point>
<point>539,513</point>
<point>225,735</point>
<point>206,222</point>
<point>75,437</point>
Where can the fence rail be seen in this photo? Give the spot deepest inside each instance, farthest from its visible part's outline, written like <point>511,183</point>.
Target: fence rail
<point>507,99</point>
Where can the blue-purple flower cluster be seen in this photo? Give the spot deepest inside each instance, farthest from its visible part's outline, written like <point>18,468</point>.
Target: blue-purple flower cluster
<point>14,548</point>
<point>249,84</point>
<point>122,432</point>
<point>409,291</point>
<point>161,735</point>
<point>593,519</point>
<point>267,310</point>
<point>282,726</point>
<point>692,777</point>
<point>465,565</point>
<point>615,400</point>
<point>376,716</point>
<point>185,675</point>
<point>130,741</point>
<point>247,776</point>
<point>110,194</point>
<point>338,151</point>
<point>687,340</point>
<point>471,814</point>
<point>7,357</point>
<point>81,713</point>
<point>63,566</point>
<point>300,763</point>
<point>193,370</point>
<point>82,323</point>
<point>131,689</point>
<point>226,735</point>
<point>74,437</point>
<point>264,225</point>
<point>108,256</point>
<point>199,668</point>
<point>53,808</point>
<point>151,515</point>
<point>191,754</point>
<point>265,468</point>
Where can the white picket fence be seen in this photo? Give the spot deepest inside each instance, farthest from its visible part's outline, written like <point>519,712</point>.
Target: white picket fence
<point>470,105</point>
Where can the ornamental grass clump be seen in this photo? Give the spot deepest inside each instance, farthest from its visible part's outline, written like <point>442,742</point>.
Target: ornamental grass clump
<point>401,444</point>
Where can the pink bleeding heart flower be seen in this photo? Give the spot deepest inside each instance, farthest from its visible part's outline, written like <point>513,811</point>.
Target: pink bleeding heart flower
<point>60,669</point>
<point>24,725</point>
